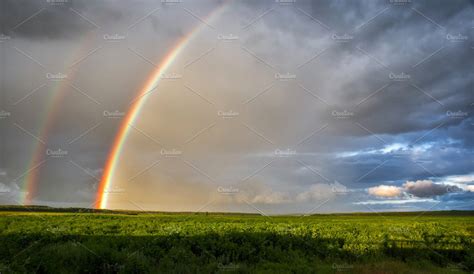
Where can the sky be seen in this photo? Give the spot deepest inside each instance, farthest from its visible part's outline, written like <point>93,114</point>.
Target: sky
<point>272,107</point>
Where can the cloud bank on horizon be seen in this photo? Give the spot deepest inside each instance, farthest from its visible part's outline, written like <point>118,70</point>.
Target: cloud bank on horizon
<point>273,107</point>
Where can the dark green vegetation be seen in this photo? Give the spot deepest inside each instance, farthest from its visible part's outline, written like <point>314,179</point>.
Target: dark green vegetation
<point>110,242</point>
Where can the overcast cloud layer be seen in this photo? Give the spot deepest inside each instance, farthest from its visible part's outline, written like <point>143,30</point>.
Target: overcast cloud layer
<point>306,106</point>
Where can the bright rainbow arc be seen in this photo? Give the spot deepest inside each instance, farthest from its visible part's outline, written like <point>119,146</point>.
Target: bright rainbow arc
<point>136,107</point>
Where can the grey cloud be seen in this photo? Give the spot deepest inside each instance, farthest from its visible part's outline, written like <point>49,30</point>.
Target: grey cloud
<point>426,188</point>
<point>42,20</point>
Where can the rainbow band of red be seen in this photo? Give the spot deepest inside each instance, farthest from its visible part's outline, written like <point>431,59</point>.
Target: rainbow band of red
<point>135,108</point>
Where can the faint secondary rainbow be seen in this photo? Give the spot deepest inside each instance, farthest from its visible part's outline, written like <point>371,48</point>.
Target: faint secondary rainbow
<point>137,105</point>
<point>37,159</point>
<point>30,180</point>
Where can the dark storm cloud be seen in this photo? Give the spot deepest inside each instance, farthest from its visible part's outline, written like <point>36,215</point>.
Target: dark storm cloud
<point>436,156</point>
<point>66,19</point>
<point>415,39</point>
<point>460,198</point>
<point>48,21</point>
<point>400,38</point>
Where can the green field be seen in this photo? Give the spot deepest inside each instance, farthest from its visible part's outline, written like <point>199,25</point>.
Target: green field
<point>44,240</point>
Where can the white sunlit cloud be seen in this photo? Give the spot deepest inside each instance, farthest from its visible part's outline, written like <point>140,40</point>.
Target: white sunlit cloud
<point>390,149</point>
<point>395,202</point>
<point>419,188</point>
<point>464,182</point>
<point>385,191</point>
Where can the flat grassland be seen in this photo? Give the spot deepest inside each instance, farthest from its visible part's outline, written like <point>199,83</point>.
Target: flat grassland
<point>47,240</point>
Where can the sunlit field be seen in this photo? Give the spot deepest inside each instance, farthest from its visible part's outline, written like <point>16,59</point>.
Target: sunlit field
<point>132,242</point>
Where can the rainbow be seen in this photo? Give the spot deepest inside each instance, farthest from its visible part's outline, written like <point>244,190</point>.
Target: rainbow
<point>31,178</point>
<point>136,107</point>
<point>30,181</point>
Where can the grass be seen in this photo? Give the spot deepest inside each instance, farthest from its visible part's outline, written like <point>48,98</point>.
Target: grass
<point>45,240</point>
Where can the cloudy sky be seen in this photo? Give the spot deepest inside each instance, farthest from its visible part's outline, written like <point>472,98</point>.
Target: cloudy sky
<point>270,107</point>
